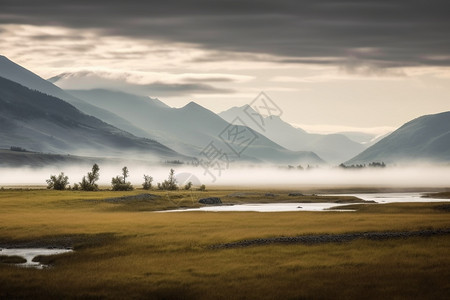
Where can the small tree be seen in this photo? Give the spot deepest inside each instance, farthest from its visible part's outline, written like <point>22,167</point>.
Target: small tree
<point>119,183</point>
<point>125,173</point>
<point>57,182</point>
<point>88,182</point>
<point>169,184</point>
<point>188,186</point>
<point>147,185</point>
<point>202,188</point>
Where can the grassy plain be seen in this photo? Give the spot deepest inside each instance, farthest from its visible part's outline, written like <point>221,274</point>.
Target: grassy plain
<point>123,250</point>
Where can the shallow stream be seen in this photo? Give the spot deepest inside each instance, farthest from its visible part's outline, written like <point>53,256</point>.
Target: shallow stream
<point>30,253</point>
<point>379,198</point>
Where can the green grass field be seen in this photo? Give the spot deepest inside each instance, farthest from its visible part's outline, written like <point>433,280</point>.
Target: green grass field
<point>126,251</point>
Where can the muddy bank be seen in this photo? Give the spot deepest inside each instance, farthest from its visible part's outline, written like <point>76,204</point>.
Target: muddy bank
<point>441,195</point>
<point>333,238</point>
<point>59,242</point>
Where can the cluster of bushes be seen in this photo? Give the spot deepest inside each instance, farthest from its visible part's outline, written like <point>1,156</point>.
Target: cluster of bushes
<point>170,184</point>
<point>118,183</point>
<point>60,182</point>
<point>300,167</point>
<point>362,166</point>
<point>88,182</point>
<point>18,149</point>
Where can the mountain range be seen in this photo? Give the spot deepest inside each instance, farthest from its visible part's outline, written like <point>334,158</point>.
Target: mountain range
<point>191,129</point>
<point>38,115</point>
<point>333,148</point>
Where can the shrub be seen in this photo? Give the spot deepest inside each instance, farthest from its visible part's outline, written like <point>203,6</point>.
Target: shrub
<point>147,185</point>
<point>119,183</point>
<point>88,182</point>
<point>169,184</point>
<point>57,182</point>
<point>188,186</point>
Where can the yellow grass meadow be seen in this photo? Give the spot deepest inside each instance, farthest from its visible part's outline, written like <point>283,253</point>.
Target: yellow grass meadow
<point>128,251</point>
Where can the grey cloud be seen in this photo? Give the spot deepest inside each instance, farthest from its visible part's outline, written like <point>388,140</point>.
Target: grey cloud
<point>165,89</point>
<point>90,80</point>
<point>208,79</point>
<point>55,37</point>
<point>404,33</point>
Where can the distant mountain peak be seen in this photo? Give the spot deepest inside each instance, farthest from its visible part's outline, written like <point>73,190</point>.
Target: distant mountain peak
<point>68,75</point>
<point>14,72</point>
<point>4,59</point>
<point>193,105</point>
<point>249,110</point>
<point>56,78</point>
<point>332,148</point>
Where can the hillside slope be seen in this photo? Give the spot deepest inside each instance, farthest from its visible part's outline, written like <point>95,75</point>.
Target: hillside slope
<point>19,74</point>
<point>425,139</point>
<point>39,122</point>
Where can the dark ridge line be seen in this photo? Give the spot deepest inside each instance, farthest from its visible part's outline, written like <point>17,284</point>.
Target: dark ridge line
<point>332,238</point>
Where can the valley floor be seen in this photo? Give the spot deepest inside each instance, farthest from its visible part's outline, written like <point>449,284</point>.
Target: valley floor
<point>123,250</point>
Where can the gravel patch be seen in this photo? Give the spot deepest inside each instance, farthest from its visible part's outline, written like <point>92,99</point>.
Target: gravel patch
<point>444,207</point>
<point>295,194</point>
<point>210,201</point>
<point>333,238</point>
<point>140,197</point>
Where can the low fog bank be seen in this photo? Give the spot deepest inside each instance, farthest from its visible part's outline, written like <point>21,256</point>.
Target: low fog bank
<point>408,177</point>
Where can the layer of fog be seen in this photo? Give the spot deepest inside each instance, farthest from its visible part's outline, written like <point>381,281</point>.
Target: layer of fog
<point>423,176</point>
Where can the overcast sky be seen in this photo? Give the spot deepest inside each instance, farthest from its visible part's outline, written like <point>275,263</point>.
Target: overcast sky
<point>329,65</point>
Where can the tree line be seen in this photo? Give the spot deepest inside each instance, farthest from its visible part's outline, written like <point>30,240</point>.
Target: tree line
<point>118,183</point>
<point>362,166</point>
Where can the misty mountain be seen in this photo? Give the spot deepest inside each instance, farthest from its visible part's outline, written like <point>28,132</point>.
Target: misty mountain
<point>14,159</point>
<point>359,137</point>
<point>333,148</point>
<point>190,129</point>
<point>17,73</point>
<point>184,128</point>
<point>35,121</point>
<point>425,139</point>
<point>87,80</point>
